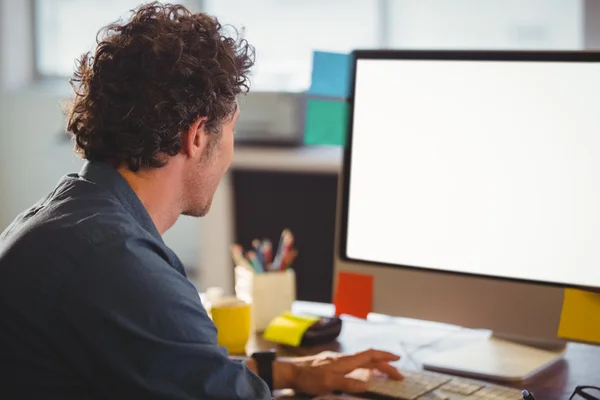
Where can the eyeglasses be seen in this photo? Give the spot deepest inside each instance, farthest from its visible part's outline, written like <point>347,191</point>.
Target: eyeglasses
<point>586,392</point>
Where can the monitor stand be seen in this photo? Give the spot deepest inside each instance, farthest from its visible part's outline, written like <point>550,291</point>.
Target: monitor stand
<point>495,359</point>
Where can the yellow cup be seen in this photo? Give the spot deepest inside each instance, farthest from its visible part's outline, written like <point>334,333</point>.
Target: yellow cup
<point>232,317</point>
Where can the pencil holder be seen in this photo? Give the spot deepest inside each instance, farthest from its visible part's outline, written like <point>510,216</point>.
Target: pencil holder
<point>270,293</point>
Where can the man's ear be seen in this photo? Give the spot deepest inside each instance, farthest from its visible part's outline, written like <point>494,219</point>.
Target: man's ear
<point>195,139</point>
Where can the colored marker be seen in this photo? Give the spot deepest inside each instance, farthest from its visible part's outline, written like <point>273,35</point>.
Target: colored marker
<point>289,259</point>
<point>259,253</point>
<point>254,261</point>
<point>267,251</point>
<point>285,244</point>
<point>287,248</point>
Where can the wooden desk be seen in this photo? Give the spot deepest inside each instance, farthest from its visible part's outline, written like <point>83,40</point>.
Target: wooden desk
<point>412,340</point>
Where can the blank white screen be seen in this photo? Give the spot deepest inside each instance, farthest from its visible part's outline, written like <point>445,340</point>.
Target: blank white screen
<point>480,167</point>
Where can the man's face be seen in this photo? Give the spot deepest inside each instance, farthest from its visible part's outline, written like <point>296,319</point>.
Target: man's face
<point>209,169</point>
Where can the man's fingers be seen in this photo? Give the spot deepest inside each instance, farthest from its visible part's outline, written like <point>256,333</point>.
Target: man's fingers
<point>389,370</point>
<point>365,359</point>
<point>381,366</point>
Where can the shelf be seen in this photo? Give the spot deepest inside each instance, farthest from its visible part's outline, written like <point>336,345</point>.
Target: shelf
<point>316,159</point>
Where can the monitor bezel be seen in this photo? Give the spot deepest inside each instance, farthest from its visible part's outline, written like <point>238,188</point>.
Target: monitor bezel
<point>453,55</point>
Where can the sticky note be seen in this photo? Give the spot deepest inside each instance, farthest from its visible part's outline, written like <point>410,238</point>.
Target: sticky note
<point>331,74</point>
<point>288,329</point>
<point>580,317</point>
<point>326,122</point>
<point>354,294</point>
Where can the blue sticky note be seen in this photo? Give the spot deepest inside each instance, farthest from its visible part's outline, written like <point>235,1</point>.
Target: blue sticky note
<point>331,74</point>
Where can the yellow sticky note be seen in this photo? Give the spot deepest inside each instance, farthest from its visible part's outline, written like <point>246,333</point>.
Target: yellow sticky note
<point>580,317</point>
<point>288,329</point>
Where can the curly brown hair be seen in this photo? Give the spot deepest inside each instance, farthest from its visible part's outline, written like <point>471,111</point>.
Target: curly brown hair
<point>150,79</point>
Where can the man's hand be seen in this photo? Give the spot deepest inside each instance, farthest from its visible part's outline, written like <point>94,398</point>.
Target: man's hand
<point>329,375</point>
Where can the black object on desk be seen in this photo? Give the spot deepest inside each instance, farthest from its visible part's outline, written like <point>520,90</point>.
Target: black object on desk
<point>323,331</point>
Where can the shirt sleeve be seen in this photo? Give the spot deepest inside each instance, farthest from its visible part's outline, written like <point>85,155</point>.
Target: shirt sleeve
<point>137,329</point>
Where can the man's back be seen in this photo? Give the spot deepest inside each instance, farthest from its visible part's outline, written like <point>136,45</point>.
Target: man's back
<point>94,305</point>
<point>39,252</point>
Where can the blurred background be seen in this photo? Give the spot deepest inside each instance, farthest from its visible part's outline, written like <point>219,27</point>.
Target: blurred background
<point>275,181</point>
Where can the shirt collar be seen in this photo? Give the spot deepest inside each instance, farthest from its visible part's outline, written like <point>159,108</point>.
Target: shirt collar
<point>109,178</point>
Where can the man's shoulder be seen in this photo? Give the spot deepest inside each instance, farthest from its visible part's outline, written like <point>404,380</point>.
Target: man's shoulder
<point>76,222</point>
<point>73,237</point>
<point>78,210</point>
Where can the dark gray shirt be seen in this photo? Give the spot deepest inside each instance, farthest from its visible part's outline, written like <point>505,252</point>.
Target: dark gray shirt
<point>94,305</point>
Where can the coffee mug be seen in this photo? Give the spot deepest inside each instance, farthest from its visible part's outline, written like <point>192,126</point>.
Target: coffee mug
<point>232,317</point>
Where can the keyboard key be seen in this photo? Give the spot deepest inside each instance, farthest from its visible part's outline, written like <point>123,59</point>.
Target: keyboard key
<point>496,393</point>
<point>434,396</point>
<point>411,387</point>
<point>461,387</point>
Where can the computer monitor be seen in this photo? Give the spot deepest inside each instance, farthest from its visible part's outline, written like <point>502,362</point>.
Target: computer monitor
<point>471,193</point>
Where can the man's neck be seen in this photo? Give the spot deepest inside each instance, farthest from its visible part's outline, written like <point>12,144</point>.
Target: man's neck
<point>159,194</point>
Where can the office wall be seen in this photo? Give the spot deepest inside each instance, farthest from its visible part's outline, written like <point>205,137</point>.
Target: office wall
<point>16,37</point>
<point>533,24</point>
<point>32,157</point>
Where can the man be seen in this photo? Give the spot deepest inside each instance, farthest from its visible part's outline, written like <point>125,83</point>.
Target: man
<point>93,304</point>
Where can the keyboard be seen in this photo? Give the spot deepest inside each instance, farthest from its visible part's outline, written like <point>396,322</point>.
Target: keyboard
<point>425,385</point>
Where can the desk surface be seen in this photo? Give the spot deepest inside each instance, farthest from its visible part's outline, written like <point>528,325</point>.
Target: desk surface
<point>413,340</point>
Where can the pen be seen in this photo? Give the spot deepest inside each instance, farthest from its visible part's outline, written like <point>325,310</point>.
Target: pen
<point>527,395</point>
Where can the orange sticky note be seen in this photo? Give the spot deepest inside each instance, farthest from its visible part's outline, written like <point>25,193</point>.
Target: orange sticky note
<point>354,294</point>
